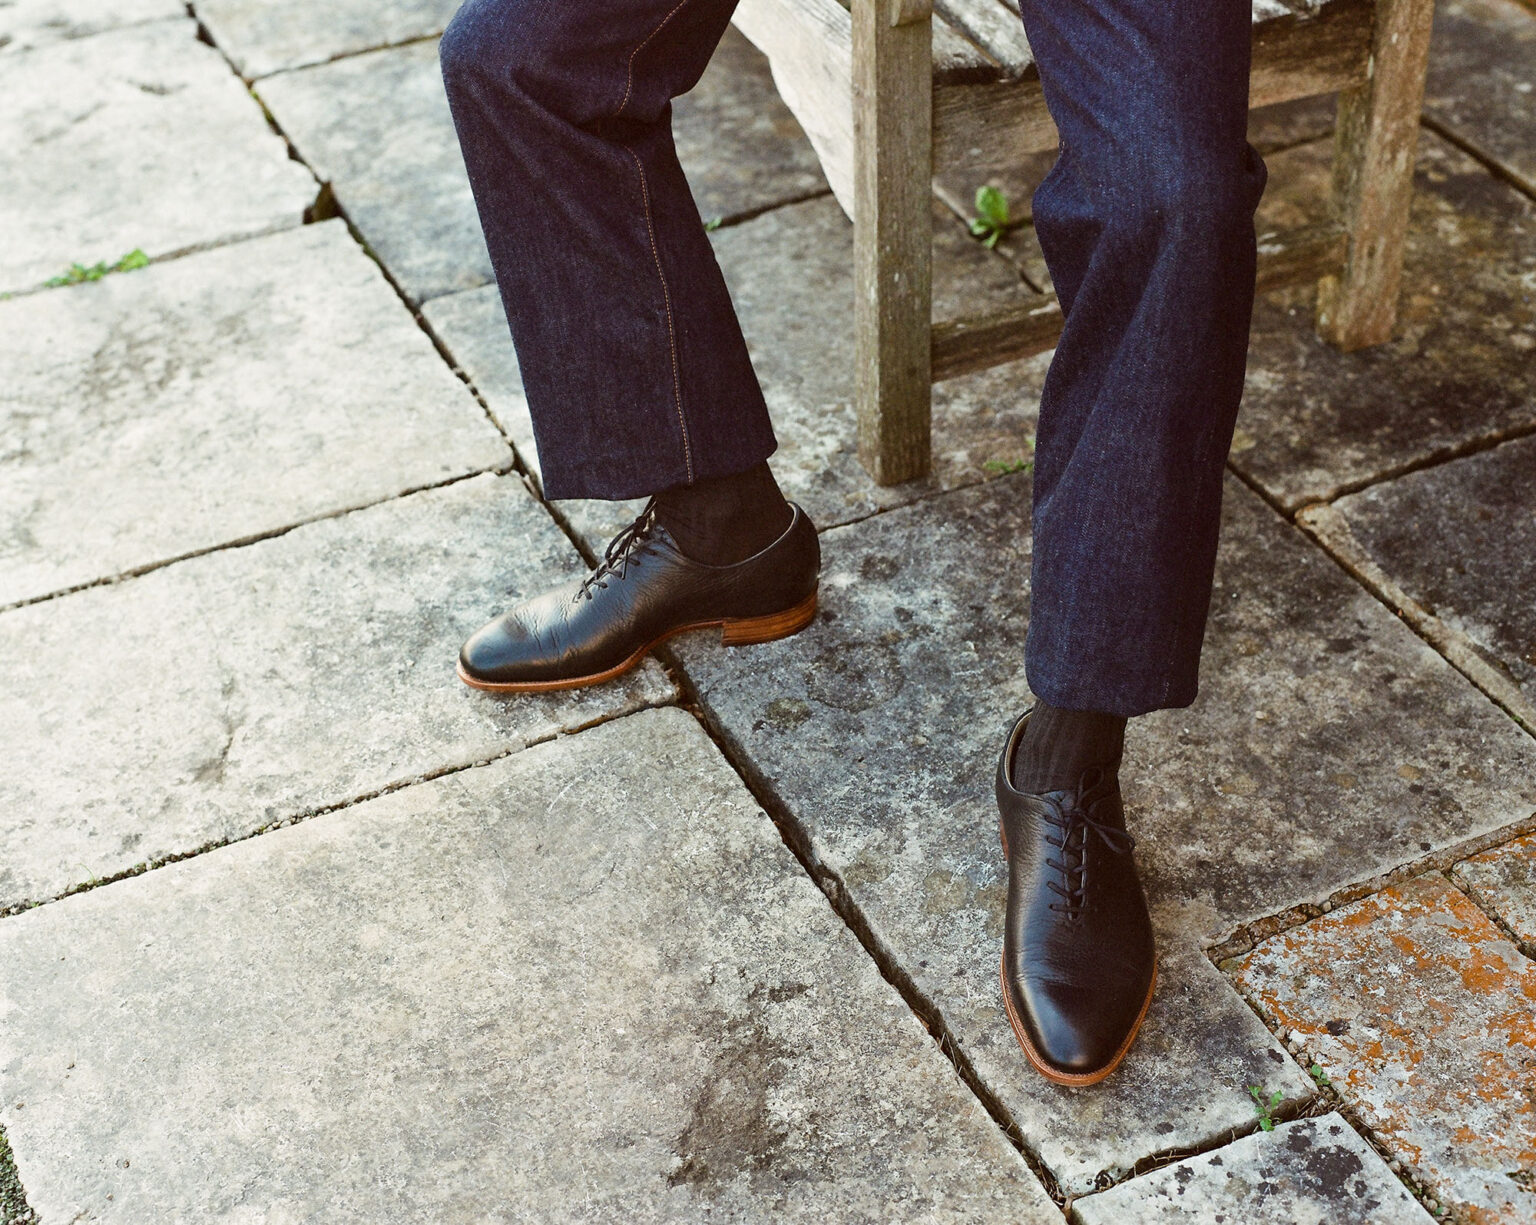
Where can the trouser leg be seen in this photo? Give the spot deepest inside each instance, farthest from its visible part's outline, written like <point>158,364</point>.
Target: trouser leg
<point>632,359</point>
<point>1146,222</point>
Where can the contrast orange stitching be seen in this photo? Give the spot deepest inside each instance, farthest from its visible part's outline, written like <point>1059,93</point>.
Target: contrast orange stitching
<point>629,71</point>
<point>666,297</point>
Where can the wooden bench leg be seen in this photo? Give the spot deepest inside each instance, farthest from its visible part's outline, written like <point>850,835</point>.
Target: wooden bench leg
<point>1374,146</point>
<point>893,239</point>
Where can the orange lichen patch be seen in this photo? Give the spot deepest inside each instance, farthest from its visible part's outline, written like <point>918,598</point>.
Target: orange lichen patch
<point>1503,881</point>
<point>1424,1015</point>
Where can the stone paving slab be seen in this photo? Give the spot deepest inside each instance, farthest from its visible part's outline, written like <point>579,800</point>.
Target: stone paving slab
<point>1460,540</point>
<point>1323,722</point>
<point>214,697</point>
<point>266,36</point>
<point>1316,422</point>
<point>790,274</point>
<point>377,127</point>
<point>212,398</point>
<point>1482,79</point>
<point>1424,1017</point>
<point>136,138</point>
<point>584,983</point>
<point>739,145</point>
<point>1503,882</point>
<point>1307,1172</point>
<point>25,24</point>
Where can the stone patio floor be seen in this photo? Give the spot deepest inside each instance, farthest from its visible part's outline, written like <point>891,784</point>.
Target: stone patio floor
<point>294,927</point>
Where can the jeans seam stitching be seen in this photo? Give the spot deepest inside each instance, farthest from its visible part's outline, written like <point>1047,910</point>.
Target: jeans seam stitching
<point>629,69</point>
<point>666,298</point>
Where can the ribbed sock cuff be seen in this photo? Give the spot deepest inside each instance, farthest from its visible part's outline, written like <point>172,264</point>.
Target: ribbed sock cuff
<point>1059,745</point>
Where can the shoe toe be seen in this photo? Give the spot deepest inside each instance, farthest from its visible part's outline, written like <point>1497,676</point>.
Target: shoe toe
<point>499,651</point>
<point>1077,1030</point>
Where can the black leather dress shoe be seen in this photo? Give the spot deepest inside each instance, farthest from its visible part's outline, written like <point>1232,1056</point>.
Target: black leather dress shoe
<point>1078,958</point>
<point>642,592</point>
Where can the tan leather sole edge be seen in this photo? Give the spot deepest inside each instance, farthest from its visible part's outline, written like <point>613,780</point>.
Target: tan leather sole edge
<point>734,632</point>
<point>1077,1079</point>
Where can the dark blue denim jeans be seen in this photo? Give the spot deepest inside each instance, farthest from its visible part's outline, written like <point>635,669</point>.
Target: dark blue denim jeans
<point>638,378</point>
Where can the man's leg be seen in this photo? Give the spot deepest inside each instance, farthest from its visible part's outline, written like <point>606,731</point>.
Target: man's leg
<point>1146,222</point>
<point>635,369</point>
<point>636,373</point>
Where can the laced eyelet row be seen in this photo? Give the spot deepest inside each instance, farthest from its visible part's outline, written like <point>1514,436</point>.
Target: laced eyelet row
<point>1075,820</point>
<point>623,551</point>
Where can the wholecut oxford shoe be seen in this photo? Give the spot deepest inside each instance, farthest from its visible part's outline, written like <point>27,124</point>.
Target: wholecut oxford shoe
<point>1079,962</point>
<point>644,591</point>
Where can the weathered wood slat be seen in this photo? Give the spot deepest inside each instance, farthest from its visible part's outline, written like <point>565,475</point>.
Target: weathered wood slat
<point>1375,140</point>
<point>892,239</point>
<point>995,28</point>
<point>959,61</point>
<point>964,346</point>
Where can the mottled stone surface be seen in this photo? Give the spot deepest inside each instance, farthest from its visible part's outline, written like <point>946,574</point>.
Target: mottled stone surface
<point>505,994</point>
<point>266,36</point>
<point>210,698</point>
<point>1482,79</point>
<point>1460,539</point>
<point>212,398</point>
<point>377,127</point>
<point>1424,1017</point>
<point>136,138</point>
<point>741,148</point>
<point>1503,881</point>
<point>790,274</point>
<point>31,23</point>
<point>1308,1172</point>
<point>1317,422</point>
<point>1323,722</point>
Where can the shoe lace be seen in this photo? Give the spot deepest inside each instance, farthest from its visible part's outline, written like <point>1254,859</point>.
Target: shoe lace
<point>1076,820</point>
<point>623,550</point>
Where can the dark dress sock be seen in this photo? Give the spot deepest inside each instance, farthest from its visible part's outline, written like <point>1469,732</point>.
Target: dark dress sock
<point>723,520</point>
<point>1058,745</point>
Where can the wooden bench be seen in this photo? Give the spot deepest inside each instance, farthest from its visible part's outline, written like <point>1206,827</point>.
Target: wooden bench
<point>896,91</point>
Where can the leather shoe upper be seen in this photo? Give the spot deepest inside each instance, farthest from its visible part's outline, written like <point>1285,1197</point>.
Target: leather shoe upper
<point>1078,953</point>
<point>643,589</point>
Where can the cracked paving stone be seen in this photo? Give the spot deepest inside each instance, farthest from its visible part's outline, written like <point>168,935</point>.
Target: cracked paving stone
<point>1461,369</point>
<point>266,36</point>
<point>1307,1172</point>
<point>136,138</point>
<point>25,24</point>
<point>790,275</point>
<point>1482,80</point>
<point>583,983</point>
<point>377,127</point>
<point>1423,1015</point>
<point>1460,539</point>
<point>208,699</point>
<point>242,389</point>
<point>1503,881</point>
<point>878,729</point>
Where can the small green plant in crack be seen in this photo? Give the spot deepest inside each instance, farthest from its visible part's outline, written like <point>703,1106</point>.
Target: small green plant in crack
<point>1004,467</point>
<point>992,206</point>
<point>711,224</point>
<point>76,273</point>
<point>1265,1105</point>
<point>1320,1076</point>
